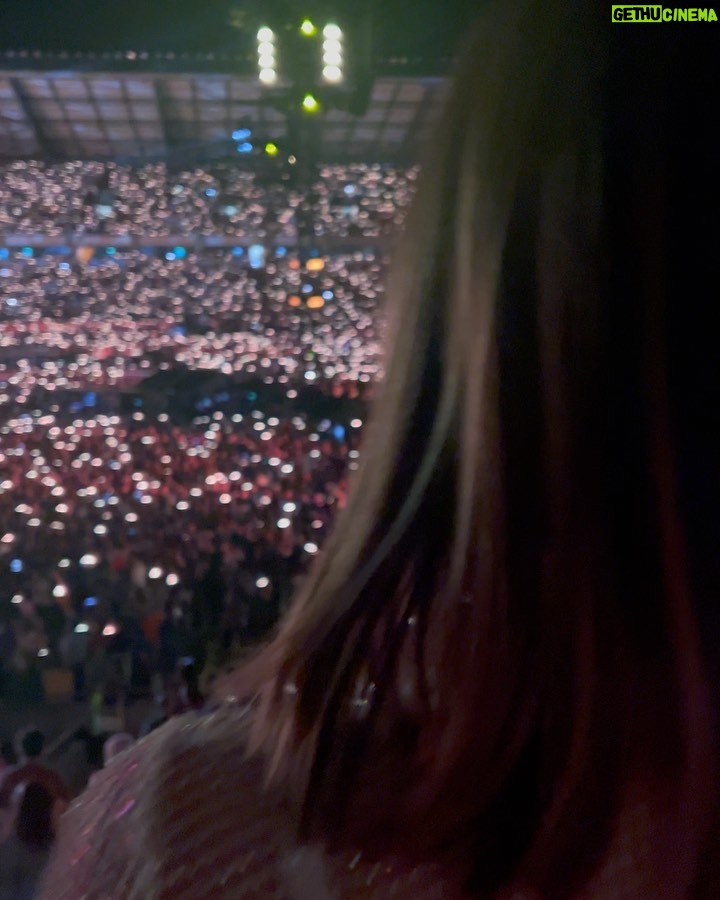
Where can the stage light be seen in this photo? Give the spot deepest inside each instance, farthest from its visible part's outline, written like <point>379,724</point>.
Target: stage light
<point>332,54</point>
<point>267,72</point>
<point>271,149</point>
<point>310,104</point>
<point>332,74</point>
<point>315,302</point>
<point>240,134</point>
<point>307,28</point>
<point>245,147</point>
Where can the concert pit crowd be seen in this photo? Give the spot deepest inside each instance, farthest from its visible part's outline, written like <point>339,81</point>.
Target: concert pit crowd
<point>177,424</point>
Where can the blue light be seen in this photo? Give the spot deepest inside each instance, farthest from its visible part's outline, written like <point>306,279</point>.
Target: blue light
<point>11,301</point>
<point>90,399</point>
<point>110,251</point>
<point>27,251</point>
<point>349,189</point>
<point>179,252</point>
<point>256,255</point>
<point>90,601</point>
<point>281,251</point>
<point>307,289</point>
<point>241,134</point>
<point>211,192</point>
<point>339,433</point>
<point>4,253</point>
<point>16,565</point>
<point>237,251</point>
<point>170,255</point>
<point>327,295</point>
<point>64,266</point>
<point>245,147</point>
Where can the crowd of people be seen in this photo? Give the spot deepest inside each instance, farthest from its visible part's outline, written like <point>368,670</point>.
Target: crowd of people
<point>109,523</point>
<point>81,197</point>
<point>135,544</point>
<point>67,324</point>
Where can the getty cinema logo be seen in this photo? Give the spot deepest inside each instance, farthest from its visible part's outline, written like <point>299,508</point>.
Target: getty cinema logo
<point>628,13</point>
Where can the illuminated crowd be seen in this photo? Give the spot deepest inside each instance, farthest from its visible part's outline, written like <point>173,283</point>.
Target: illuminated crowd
<point>81,197</point>
<point>114,517</point>
<point>110,518</point>
<point>65,324</point>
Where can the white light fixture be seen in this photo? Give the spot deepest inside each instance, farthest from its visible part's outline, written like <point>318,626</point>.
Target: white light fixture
<point>333,54</point>
<point>266,56</point>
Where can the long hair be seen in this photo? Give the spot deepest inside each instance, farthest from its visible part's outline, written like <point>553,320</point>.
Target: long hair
<point>502,630</point>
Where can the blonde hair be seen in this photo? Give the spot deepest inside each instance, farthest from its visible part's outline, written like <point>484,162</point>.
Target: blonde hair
<point>464,663</point>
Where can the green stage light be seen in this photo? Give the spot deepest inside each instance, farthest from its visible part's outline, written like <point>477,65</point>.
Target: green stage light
<point>271,149</point>
<point>310,104</point>
<point>307,28</point>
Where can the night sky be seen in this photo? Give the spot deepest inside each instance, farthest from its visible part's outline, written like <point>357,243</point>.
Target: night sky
<point>425,28</point>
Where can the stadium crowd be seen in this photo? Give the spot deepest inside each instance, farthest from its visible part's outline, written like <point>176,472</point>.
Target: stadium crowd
<point>140,547</point>
<point>67,324</point>
<point>106,521</point>
<point>81,197</point>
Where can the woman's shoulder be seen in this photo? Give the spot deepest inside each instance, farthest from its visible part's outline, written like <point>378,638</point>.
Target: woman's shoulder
<point>166,815</point>
<point>185,814</point>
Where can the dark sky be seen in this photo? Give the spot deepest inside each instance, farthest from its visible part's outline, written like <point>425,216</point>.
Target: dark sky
<point>427,28</point>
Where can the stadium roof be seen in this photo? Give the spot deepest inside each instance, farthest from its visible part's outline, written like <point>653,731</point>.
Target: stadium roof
<point>90,109</point>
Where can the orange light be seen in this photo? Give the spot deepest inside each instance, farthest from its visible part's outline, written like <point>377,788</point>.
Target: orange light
<point>315,302</point>
<point>294,300</point>
<point>294,263</point>
<point>316,264</point>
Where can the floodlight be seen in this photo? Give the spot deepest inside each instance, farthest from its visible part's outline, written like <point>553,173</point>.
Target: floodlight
<point>332,74</point>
